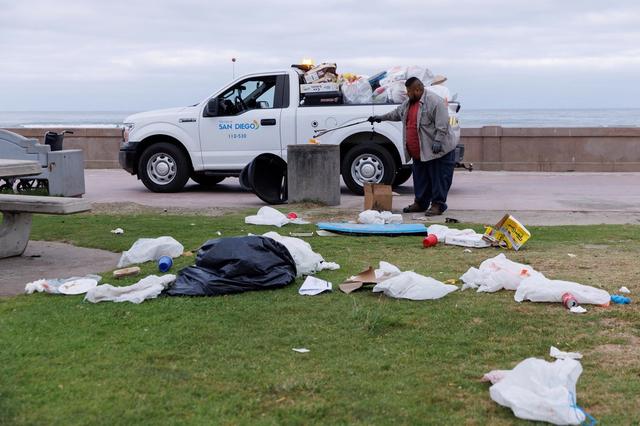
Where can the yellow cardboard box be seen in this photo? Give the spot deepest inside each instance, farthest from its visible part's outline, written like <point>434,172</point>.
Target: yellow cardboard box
<point>509,231</point>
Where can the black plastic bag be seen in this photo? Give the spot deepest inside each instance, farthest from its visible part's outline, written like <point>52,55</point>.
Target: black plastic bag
<point>236,265</point>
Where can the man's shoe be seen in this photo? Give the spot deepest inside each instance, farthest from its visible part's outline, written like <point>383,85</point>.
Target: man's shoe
<point>413,208</point>
<point>436,209</point>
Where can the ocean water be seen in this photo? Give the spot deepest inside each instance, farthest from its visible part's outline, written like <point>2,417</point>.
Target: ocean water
<point>468,118</point>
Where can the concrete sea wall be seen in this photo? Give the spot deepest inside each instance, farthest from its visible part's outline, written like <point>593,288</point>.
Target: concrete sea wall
<point>562,149</point>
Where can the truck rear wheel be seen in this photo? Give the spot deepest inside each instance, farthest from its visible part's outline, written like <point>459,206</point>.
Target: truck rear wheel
<point>163,168</point>
<point>367,163</point>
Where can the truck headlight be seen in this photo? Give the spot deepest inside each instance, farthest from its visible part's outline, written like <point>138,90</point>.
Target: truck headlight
<point>126,130</point>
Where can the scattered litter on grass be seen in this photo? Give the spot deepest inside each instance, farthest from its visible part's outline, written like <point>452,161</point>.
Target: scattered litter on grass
<point>467,250</point>
<point>117,231</point>
<point>539,390</point>
<point>301,350</point>
<point>323,233</point>
<point>571,255</point>
<point>620,300</point>
<point>312,286</point>
<point>307,261</point>
<point>374,217</point>
<point>126,272</point>
<point>624,290</point>
<point>540,289</point>
<point>494,376</point>
<point>218,233</point>
<point>300,234</point>
<point>558,354</point>
<point>413,286</point>
<point>67,286</point>
<point>497,273</point>
<point>458,237</point>
<point>146,249</point>
<point>451,220</point>
<point>508,232</point>
<point>147,288</point>
<point>269,216</point>
<point>577,310</point>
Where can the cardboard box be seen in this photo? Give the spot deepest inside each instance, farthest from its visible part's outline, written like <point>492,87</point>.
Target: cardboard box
<point>318,72</point>
<point>319,87</point>
<point>377,197</point>
<point>509,231</point>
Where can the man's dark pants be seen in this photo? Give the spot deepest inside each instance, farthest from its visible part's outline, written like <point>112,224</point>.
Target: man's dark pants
<point>432,180</point>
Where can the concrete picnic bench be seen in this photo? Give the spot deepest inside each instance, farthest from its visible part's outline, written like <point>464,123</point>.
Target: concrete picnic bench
<point>17,209</point>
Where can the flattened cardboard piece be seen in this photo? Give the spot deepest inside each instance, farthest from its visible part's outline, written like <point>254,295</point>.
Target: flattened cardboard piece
<point>367,276</point>
<point>378,197</point>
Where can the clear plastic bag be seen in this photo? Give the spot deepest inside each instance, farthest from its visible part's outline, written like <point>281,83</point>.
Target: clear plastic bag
<point>397,92</point>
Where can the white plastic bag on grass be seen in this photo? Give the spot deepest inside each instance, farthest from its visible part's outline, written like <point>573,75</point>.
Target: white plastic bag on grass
<point>307,261</point>
<point>269,216</point>
<point>539,390</point>
<point>146,249</point>
<point>149,287</point>
<point>357,92</point>
<point>541,289</point>
<point>374,217</point>
<point>410,285</point>
<point>497,273</point>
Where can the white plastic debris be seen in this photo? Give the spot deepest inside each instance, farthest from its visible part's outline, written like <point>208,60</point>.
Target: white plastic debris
<point>117,231</point>
<point>577,310</point>
<point>269,216</point>
<point>413,286</point>
<point>543,391</point>
<point>572,255</point>
<point>374,217</point>
<point>301,350</point>
<point>497,273</point>
<point>149,287</point>
<point>541,289</point>
<point>494,376</point>
<point>313,286</point>
<point>558,354</point>
<point>307,261</point>
<point>146,249</point>
<point>458,237</point>
<point>624,290</point>
<point>68,286</point>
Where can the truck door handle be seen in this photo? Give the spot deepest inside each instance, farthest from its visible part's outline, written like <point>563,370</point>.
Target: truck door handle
<point>268,122</point>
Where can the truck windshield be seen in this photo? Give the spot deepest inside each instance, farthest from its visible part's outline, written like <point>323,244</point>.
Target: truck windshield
<point>253,93</point>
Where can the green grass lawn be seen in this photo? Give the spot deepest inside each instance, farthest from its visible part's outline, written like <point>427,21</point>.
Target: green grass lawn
<point>373,360</point>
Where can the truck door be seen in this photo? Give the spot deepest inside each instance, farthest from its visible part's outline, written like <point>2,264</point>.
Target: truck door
<point>246,124</point>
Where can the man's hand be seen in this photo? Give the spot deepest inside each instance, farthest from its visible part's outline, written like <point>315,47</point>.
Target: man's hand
<point>436,148</point>
<point>374,118</point>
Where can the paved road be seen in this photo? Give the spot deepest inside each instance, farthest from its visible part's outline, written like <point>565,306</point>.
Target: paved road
<point>536,198</point>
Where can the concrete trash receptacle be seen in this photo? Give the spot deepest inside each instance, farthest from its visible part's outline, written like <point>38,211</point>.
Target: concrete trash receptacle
<point>313,173</point>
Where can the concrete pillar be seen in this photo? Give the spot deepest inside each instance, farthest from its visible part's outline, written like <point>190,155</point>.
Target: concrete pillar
<point>313,174</point>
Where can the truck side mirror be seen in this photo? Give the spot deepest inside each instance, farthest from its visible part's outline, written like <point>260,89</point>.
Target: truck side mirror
<point>211,110</point>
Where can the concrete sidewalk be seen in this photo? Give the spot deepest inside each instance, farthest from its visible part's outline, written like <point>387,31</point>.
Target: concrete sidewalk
<point>535,198</point>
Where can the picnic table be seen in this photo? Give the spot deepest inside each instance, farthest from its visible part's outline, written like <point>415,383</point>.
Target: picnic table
<point>17,209</point>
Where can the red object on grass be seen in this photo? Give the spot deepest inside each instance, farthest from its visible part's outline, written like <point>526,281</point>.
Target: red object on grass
<point>429,241</point>
<point>292,215</point>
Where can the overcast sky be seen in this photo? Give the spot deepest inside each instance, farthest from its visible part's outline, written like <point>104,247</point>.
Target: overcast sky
<point>139,55</point>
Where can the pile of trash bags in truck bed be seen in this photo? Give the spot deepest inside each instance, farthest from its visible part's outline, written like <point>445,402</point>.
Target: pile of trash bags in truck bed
<point>386,87</point>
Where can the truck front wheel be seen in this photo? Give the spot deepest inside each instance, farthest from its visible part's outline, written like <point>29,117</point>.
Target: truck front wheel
<point>367,163</point>
<point>163,168</point>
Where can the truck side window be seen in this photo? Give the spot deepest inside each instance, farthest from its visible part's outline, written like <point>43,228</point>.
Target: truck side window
<point>253,93</point>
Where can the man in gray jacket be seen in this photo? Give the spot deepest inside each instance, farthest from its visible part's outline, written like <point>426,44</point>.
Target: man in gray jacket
<point>430,142</point>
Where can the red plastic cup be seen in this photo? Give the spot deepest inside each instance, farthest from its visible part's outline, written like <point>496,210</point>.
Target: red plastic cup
<point>430,241</point>
<point>292,215</point>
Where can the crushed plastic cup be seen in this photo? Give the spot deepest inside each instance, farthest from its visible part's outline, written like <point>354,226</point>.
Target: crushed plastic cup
<point>430,241</point>
<point>292,215</point>
<point>165,263</point>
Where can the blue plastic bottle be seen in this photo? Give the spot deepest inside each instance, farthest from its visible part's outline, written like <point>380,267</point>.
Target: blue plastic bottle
<point>165,263</point>
<point>620,300</point>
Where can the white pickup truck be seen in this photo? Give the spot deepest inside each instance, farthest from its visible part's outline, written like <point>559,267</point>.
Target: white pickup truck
<point>255,114</point>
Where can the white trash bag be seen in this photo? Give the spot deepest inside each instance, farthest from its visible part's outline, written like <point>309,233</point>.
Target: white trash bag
<point>374,217</point>
<point>307,261</point>
<point>539,390</point>
<point>357,92</point>
<point>397,92</point>
<point>413,286</point>
<point>541,289</point>
<point>146,249</point>
<point>497,273</point>
<point>269,216</point>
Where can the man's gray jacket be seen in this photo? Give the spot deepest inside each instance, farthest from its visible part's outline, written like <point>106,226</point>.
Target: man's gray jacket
<point>433,126</point>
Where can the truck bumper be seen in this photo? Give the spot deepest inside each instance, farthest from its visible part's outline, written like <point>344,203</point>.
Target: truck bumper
<point>128,155</point>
